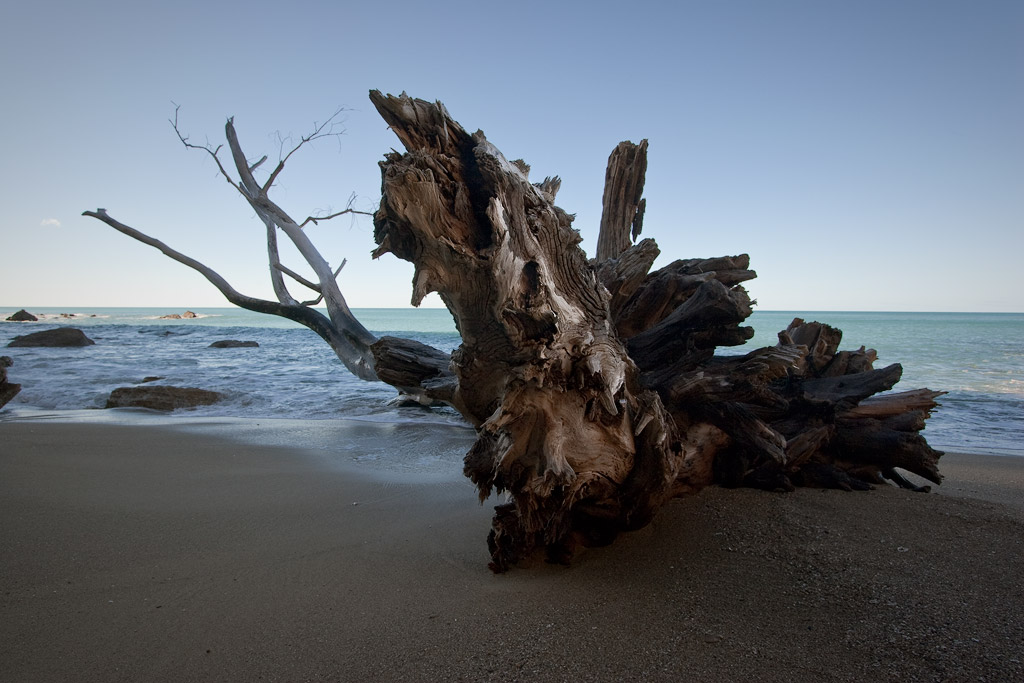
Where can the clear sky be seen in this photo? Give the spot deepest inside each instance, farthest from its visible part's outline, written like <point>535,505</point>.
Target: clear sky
<point>867,155</point>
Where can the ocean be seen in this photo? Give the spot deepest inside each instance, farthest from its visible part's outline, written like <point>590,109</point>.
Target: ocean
<point>977,357</point>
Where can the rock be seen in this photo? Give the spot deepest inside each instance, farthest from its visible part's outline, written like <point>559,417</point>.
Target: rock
<point>170,316</point>
<point>61,336</point>
<point>161,398</point>
<point>151,378</point>
<point>22,316</point>
<point>233,344</point>
<point>7,390</point>
<point>189,314</point>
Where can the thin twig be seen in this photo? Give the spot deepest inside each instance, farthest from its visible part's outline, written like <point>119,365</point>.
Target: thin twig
<point>315,220</point>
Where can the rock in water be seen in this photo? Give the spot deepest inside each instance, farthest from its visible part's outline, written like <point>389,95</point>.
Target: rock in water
<point>233,344</point>
<point>22,316</point>
<point>189,315</point>
<point>161,398</point>
<point>61,336</point>
<point>7,390</point>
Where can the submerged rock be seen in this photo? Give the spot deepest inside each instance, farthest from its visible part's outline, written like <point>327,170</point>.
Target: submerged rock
<point>22,316</point>
<point>233,344</point>
<point>161,398</point>
<point>61,336</point>
<point>7,390</point>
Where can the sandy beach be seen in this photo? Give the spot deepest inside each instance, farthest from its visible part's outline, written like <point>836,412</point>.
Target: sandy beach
<point>145,553</point>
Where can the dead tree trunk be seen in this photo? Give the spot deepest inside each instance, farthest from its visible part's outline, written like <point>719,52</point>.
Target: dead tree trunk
<point>594,385</point>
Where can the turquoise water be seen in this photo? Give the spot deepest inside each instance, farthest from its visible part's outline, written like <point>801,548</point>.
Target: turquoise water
<point>977,357</point>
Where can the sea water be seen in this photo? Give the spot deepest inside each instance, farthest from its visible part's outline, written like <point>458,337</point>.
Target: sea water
<point>977,357</point>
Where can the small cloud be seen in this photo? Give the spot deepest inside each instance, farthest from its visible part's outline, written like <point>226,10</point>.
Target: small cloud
<point>50,222</point>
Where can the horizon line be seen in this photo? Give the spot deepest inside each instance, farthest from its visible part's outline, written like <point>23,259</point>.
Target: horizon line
<point>442,308</point>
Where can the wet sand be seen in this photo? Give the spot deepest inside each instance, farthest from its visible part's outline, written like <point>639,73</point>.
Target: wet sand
<point>142,553</point>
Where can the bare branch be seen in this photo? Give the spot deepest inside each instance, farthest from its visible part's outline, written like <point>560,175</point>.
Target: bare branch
<point>338,271</point>
<point>257,164</point>
<point>315,220</point>
<point>350,345</point>
<point>215,278</point>
<point>298,278</point>
<point>204,148</point>
<point>251,188</point>
<point>326,129</point>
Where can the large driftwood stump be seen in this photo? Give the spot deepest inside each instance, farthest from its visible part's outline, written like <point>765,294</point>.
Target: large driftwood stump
<point>594,385</point>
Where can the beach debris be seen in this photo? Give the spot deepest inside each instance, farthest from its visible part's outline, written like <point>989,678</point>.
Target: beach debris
<point>233,344</point>
<point>593,383</point>
<point>7,389</point>
<point>162,398</point>
<point>22,316</point>
<point>60,336</point>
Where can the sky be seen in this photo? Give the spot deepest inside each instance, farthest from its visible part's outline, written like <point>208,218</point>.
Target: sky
<point>867,155</point>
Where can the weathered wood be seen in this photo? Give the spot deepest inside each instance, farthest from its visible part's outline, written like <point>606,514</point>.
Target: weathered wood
<point>419,371</point>
<point>664,290</point>
<point>622,217</point>
<point>594,385</point>
<point>8,390</point>
<point>561,416</point>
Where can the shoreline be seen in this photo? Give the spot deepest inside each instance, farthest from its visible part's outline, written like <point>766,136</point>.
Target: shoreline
<point>142,552</point>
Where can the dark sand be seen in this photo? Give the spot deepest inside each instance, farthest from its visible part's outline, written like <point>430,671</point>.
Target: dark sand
<point>134,553</point>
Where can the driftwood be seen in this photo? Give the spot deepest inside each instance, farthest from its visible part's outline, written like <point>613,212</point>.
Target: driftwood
<point>594,385</point>
<point>8,390</point>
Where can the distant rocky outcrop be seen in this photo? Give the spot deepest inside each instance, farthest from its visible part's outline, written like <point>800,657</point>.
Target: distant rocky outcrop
<point>61,336</point>
<point>7,390</point>
<point>22,316</point>
<point>178,316</point>
<point>161,398</point>
<point>233,344</point>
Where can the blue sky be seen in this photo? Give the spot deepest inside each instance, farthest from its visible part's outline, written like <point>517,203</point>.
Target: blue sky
<point>867,155</point>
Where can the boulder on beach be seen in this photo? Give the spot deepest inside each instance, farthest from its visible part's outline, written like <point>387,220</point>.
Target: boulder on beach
<point>233,344</point>
<point>161,398</point>
<point>61,336</point>
<point>22,316</point>
<point>7,390</point>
